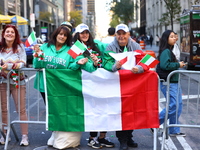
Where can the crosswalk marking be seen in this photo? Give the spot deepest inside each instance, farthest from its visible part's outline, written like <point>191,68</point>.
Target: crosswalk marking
<point>169,144</point>
<point>184,143</point>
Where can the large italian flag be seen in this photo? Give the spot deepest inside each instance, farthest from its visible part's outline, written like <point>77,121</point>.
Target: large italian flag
<point>101,101</point>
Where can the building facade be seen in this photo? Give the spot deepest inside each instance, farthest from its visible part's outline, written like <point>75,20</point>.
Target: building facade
<point>48,14</point>
<point>154,11</point>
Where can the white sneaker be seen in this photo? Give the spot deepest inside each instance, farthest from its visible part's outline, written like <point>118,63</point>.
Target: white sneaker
<point>2,140</point>
<point>24,141</point>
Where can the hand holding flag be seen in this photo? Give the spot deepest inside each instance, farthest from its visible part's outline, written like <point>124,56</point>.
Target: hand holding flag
<point>126,59</point>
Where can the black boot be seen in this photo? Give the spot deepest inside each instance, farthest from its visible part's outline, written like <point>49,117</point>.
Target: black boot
<point>131,143</point>
<point>123,145</point>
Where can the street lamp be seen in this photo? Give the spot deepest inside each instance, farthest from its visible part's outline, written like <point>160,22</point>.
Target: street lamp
<point>5,7</point>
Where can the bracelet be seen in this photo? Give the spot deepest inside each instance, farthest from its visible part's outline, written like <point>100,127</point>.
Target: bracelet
<point>39,55</point>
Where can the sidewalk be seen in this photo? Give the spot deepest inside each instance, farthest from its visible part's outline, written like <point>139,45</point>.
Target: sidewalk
<point>153,48</point>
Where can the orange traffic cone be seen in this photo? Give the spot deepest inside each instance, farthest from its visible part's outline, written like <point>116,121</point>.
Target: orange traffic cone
<point>142,44</point>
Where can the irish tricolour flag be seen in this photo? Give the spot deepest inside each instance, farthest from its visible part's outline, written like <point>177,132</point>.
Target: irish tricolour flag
<point>101,101</point>
<point>149,61</point>
<point>77,49</point>
<point>31,40</point>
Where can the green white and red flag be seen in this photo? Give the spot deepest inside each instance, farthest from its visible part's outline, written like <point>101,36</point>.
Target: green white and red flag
<point>149,61</point>
<point>127,59</point>
<point>101,101</point>
<point>77,49</point>
<point>31,40</point>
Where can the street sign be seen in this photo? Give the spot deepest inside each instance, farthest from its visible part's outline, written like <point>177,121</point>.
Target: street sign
<point>32,19</point>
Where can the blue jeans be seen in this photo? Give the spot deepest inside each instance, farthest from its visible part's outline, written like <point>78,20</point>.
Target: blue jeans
<point>174,90</point>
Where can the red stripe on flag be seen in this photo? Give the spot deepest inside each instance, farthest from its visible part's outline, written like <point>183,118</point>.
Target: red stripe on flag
<point>72,53</point>
<point>124,60</point>
<point>140,101</point>
<point>27,43</point>
<point>154,63</point>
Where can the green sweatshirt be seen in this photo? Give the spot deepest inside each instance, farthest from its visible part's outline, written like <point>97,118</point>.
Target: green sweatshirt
<point>56,60</point>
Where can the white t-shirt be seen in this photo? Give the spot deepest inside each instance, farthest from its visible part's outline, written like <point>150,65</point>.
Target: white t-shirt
<point>176,51</point>
<point>108,39</point>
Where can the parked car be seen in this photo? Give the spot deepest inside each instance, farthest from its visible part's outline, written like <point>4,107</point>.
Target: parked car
<point>29,50</point>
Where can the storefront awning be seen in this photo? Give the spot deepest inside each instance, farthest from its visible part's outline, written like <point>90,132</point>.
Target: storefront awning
<point>18,20</point>
<point>5,19</point>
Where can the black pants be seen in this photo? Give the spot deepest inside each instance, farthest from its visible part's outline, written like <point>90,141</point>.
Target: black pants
<point>43,96</point>
<point>124,135</point>
<point>94,134</point>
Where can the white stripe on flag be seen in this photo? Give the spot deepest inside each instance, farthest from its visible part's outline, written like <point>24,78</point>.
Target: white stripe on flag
<point>150,60</point>
<point>98,109</point>
<point>31,38</point>
<point>76,49</point>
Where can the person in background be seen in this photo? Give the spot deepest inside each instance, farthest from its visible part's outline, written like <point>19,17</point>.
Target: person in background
<point>110,37</point>
<point>95,49</point>
<point>122,42</point>
<point>157,40</point>
<point>176,49</point>
<point>151,40</point>
<point>169,63</point>
<point>13,57</point>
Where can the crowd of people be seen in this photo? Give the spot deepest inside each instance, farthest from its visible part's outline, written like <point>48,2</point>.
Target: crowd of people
<point>13,57</point>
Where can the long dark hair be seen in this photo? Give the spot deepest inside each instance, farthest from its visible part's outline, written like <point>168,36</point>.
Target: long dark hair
<point>16,42</point>
<point>66,31</point>
<point>164,43</point>
<point>90,42</point>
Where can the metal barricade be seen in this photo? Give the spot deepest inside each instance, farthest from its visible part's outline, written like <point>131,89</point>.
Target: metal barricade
<point>189,117</point>
<point>31,107</point>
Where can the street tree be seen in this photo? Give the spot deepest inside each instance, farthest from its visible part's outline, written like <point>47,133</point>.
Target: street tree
<point>123,10</point>
<point>196,2</point>
<point>172,14</point>
<point>115,21</point>
<point>76,17</point>
<point>46,16</point>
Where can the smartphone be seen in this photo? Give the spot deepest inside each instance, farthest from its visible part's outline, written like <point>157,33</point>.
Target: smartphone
<point>86,53</point>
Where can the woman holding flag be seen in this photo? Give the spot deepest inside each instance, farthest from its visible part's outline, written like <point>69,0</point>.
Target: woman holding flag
<point>54,55</point>
<point>13,57</point>
<point>94,53</point>
<point>56,48</point>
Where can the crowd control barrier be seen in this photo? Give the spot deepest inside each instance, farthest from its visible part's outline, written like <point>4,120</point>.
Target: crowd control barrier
<point>189,81</point>
<point>35,108</point>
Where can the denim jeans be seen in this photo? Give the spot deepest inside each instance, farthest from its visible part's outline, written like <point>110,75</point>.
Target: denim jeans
<point>175,95</point>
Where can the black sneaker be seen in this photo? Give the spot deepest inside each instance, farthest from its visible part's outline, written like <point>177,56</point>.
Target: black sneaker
<point>178,134</point>
<point>131,143</point>
<point>94,143</point>
<point>106,142</point>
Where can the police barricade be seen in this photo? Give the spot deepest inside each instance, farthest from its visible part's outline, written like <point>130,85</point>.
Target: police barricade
<point>189,83</point>
<point>35,110</point>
